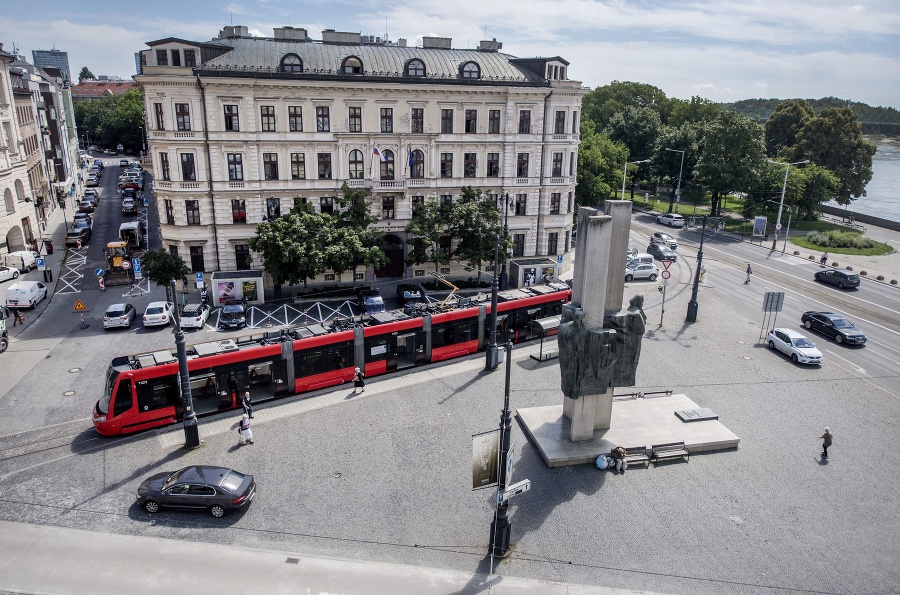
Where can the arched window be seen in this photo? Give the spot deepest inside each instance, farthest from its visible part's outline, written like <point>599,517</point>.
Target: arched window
<point>356,165</point>
<point>291,63</point>
<point>352,65</point>
<point>417,167</point>
<point>415,67</point>
<point>387,166</point>
<point>470,70</point>
<point>8,199</point>
<point>20,191</point>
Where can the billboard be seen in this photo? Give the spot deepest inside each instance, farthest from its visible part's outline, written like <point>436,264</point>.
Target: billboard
<point>485,459</point>
<point>759,226</point>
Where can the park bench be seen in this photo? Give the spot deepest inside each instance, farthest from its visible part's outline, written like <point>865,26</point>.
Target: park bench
<point>637,455</point>
<point>669,450</point>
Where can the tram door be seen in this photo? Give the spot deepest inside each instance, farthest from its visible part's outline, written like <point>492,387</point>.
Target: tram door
<point>410,349</point>
<point>231,387</point>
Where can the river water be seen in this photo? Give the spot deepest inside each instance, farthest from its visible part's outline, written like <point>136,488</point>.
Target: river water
<point>882,197</point>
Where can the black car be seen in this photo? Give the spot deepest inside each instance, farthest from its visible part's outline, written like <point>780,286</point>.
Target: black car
<point>234,314</point>
<point>409,294</point>
<point>661,252</point>
<point>200,487</point>
<point>129,208</point>
<point>370,301</point>
<point>81,234</point>
<point>841,279</point>
<point>835,326</point>
<point>86,206</point>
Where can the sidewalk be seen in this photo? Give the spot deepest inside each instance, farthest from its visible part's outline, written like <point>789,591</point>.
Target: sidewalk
<point>102,563</point>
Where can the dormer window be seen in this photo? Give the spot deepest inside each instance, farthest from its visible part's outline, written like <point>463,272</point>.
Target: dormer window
<point>415,68</point>
<point>352,65</point>
<point>470,70</point>
<point>291,63</point>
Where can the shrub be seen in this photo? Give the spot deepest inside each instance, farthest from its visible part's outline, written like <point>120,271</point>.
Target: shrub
<point>839,239</point>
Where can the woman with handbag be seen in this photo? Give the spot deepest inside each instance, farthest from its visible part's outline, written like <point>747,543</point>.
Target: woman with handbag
<point>358,382</point>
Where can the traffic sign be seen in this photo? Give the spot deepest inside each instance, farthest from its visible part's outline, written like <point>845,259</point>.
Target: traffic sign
<point>666,264</point>
<point>559,258</point>
<point>41,264</point>
<point>515,489</point>
<point>778,227</point>
<point>136,263</point>
<point>79,306</point>
<point>666,274</point>
<point>99,272</point>
<point>198,277</point>
<point>126,265</point>
<point>146,201</point>
<point>777,232</point>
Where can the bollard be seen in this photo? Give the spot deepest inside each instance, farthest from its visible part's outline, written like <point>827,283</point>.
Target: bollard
<point>84,325</point>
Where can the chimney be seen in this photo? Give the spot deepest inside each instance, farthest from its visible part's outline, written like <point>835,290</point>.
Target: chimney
<point>332,36</point>
<point>489,46</point>
<point>401,42</point>
<point>291,34</point>
<point>436,42</point>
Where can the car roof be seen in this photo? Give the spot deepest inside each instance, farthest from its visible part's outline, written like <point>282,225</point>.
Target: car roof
<point>790,333</point>
<point>188,307</point>
<point>116,307</point>
<point>157,304</point>
<point>203,474</point>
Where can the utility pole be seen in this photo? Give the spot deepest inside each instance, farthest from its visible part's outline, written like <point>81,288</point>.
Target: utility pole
<point>693,306</point>
<point>191,429</point>
<point>492,351</point>
<point>500,527</point>
<point>504,280</point>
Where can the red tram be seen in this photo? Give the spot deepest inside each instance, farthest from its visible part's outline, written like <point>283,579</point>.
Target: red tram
<point>142,391</point>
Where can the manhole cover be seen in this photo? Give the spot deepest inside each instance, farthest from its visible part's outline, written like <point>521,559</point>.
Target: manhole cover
<point>73,370</point>
<point>68,393</point>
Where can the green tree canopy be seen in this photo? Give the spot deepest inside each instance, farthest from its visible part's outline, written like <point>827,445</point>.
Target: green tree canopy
<point>732,153</point>
<point>785,123</point>
<point>294,246</point>
<point>602,103</point>
<point>426,229</point>
<point>112,120</point>
<point>668,164</point>
<point>599,160</point>
<point>474,222</point>
<point>85,75</point>
<point>353,241</point>
<point>160,266</point>
<point>697,111</point>
<point>834,140</point>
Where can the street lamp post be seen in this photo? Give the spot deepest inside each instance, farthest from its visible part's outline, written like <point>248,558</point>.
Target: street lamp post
<point>500,526</point>
<point>493,351</point>
<point>504,279</point>
<point>693,305</point>
<point>783,190</point>
<point>625,173</point>
<point>191,429</point>
<point>677,188</point>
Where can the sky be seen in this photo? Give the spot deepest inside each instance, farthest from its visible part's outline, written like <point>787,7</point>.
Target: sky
<point>722,50</point>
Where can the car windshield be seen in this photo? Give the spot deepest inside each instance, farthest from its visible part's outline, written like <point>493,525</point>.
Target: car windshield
<point>233,309</point>
<point>232,480</point>
<point>154,310</point>
<point>841,323</point>
<point>802,343</point>
<point>170,479</point>
<point>410,293</point>
<point>373,300</point>
<point>116,312</point>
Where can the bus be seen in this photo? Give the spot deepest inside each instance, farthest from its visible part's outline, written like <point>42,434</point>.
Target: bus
<point>142,391</point>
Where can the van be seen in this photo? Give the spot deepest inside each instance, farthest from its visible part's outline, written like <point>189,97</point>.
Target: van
<point>22,260</point>
<point>25,294</point>
<point>641,257</point>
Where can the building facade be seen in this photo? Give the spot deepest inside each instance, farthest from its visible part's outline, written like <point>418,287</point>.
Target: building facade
<point>45,59</point>
<point>17,219</point>
<point>242,128</point>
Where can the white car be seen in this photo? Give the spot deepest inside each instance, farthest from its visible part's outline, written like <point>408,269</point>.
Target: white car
<point>796,345</point>
<point>641,270</point>
<point>194,315</point>
<point>661,237</point>
<point>671,219</point>
<point>118,315</point>
<point>7,273</point>
<point>159,314</point>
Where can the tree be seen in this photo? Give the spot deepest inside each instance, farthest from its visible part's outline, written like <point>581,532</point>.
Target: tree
<point>731,154</point>
<point>161,267</point>
<point>599,160</point>
<point>834,140</point>
<point>697,111</point>
<point>426,230</point>
<point>294,246</point>
<point>819,185</point>
<point>112,120</point>
<point>602,103</point>
<point>785,123</point>
<point>475,222</point>
<point>668,164</point>
<point>637,128</point>
<point>353,242</point>
<point>85,75</point>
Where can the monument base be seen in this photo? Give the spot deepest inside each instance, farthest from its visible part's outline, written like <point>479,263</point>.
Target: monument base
<point>635,422</point>
<point>588,413</point>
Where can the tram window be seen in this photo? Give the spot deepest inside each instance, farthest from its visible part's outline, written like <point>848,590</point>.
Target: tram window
<point>376,350</point>
<point>552,310</point>
<point>307,363</point>
<point>259,373</point>
<point>442,335</point>
<point>203,385</point>
<point>466,330</point>
<point>124,400</point>
<point>158,393</point>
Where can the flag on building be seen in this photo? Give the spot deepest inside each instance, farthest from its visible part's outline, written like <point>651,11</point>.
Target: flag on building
<point>378,152</point>
<point>409,160</point>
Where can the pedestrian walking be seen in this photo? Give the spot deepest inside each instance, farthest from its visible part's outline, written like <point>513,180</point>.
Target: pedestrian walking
<point>15,315</point>
<point>826,439</point>
<point>358,382</point>
<point>823,260</point>
<point>702,274</point>
<point>247,404</point>
<point>749,272</point>
<point>244,432</point>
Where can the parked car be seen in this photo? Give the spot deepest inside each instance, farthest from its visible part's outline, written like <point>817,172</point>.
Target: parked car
<point>78,234</point>
<point>159,314</point>
<point>661,252</point>
<point>199,487</point>
<point>370,301</point>
<point>24,260</point>
<point>84,218</point>
<point>641,270</point>
<point>194,315</point>
<point>660,237</point>
<point>128,207</point>
<point>118,315</point>
<point>842,279</point>
<point>93,181</point>
<point>98,163</point>
<point>795,345</point>
<point>25,294</point>
<point>129,193</point>
<point>7,273</point>
<point>91,193</point>
<point>671,219</point>
<point>409,294</point>
<point>835,326</point>
<point>234,314</point>
<point>94,200</point>
<point>123,163</point>
<point>86,206</point>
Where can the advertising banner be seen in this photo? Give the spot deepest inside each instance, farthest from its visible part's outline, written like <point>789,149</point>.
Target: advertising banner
<point>759,226</point>
<point>485,458</point>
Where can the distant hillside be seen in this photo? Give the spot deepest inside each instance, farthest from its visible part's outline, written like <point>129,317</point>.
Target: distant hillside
<point>874,120</point>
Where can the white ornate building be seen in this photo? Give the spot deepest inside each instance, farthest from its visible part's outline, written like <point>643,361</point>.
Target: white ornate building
<point>240,128</point>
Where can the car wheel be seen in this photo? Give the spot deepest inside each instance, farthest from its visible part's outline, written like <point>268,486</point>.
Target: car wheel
<point>151,506</point>
<point>4,343</point>
<point>838,339</point>
<point>794,358</point>
<point>771,344</point>
<point>807,324</point>
<point>628,278</point>
<point>217,510</point>
<point>652,277</point>
<point>15,274</point>
<point>840,285</point>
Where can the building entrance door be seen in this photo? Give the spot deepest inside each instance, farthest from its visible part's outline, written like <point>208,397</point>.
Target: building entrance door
<point>395,252</point>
